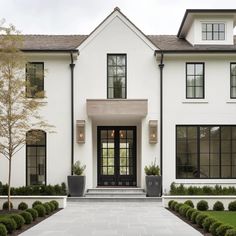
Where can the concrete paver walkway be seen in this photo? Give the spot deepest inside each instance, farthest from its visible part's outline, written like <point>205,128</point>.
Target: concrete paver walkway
<point>112,219</point>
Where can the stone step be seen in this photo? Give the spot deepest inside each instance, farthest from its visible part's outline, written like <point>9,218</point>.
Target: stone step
<point>116,190</point>
<point>108,194</point>
<point>114,199</point>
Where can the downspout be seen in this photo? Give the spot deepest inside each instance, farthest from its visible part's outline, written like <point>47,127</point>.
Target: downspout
<point>161,66</point>
<point>72,66</point>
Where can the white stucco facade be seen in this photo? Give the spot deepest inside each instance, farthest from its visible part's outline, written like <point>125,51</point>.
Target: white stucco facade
<point>117,35</point>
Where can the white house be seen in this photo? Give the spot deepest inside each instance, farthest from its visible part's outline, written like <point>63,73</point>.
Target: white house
<point>121,99</point>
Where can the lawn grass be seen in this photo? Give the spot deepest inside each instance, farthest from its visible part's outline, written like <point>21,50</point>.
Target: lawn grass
<point>227,217</point>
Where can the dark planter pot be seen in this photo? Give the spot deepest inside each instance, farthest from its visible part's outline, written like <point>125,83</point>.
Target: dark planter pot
<point>153,185</point>
<point>76,185</point>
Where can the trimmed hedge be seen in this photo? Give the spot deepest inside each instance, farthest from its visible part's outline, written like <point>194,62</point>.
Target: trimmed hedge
<point>232,206</point>
<point>207,223</point>
<point>189,213</point>
<point>202,205</point>
<point>34,190</point>
<point>22,206</point>
<point>35,203</point>
<point>47,208</point>
<point>221,230</point>
<point>20,221</point>
<point>214,227</point>
<point>189,203</point>
<point>3,230</point>
<point>41,210</point>
<point>177,206</point>
<point>55,203</point>
<point>200,218</point>
<point>218,206</point>
<point>33,213</point>
<point>9,223</point>
<point>176,189</point>
<point>231,232</point>
<point>27,216</point>
<point>194,216</point>
<point>5,205</point>
<point>183,209</point>
<point>172,206</point>
<point>170,202</point>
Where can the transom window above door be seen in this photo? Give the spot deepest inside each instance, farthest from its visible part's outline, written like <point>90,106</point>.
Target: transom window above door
<point>116,76</point>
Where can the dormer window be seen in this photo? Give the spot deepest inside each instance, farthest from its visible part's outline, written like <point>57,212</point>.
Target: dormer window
<point>213,31</point>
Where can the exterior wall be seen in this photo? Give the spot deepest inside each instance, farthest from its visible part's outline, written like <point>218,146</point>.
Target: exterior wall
<point>194,35</point>
<point>216,108</point>
<point>91,83</point>
<point>57,113</point>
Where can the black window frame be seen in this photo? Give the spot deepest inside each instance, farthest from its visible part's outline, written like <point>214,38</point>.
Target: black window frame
<point>213,31</point>
<point>231,84</point>
<point>27,77</point>
<point>117,54</point>
<point>198,151</point>
<point>186,80</point>
<point>45,161</point>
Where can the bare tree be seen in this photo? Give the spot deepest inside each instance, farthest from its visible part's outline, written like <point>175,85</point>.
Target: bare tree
<point>18,113</point>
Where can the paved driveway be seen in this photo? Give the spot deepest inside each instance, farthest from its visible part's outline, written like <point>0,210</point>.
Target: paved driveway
<point>113,219</point>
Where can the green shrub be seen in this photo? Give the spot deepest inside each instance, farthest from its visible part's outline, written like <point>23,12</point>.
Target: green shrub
<point>221,230</point>
<point>231,232</point>
<point>36,203</point>
<point>55,203</point>
<point>5,205</point>
<point>3,230</point>
<point>47,208</point>
<point>202,205</point>
<point>33,213</point>
<point>218,206</point>
<point>27,216</point>
<point>200,218</point>
<point>194,216</point>
<point>177,206</point>
<point>183,209</point>
<point>189,213</point>
<point>52,206</point>
<point>9,223</point>
<point>18,219</point>
<point>152,169</point>
<point>170,202</point>
<point>207,223</point>
<point>22,206</point>
<point>213,228</point>
<point>189,203</point>
<point>232,206</point>
<point>172,206</point>
<point>41,210</point>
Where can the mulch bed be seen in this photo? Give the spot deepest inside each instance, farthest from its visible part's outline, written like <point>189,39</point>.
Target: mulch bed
<point>26,227</point>
<point>195,226</point>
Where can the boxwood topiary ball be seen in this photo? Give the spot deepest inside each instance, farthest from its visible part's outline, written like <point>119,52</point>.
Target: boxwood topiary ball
<point>22,206</point>
<point>27,216</point>
<point>20,221</point>
<point>41,210</point>
<point>218,206</point>
<point>202,205</point>
<point>33,213</point>
<point>3,230</point>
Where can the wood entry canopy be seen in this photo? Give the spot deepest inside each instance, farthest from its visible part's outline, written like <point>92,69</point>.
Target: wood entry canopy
<point>137,108</point>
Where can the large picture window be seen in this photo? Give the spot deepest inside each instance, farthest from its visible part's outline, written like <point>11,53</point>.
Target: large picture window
<point>116,75</point>
<point>35,79</point>
<point>213,31</point>
<point>205,152</point>
<point>233,80</point>
<point>195,80</point>
<point>36,157</point>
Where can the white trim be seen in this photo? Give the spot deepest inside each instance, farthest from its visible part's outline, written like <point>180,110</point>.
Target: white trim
<point>197,101</point>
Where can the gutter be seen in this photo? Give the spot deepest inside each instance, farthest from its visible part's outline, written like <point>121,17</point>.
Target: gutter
<point>161,66</point>
<point>72,66</point>
<point>196,51</point>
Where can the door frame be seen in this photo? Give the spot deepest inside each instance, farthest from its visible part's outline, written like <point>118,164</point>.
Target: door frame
<point>134,176</point>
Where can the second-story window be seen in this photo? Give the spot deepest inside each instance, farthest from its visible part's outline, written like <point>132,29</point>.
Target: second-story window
<point>233,80</point>
<point>35,79</point>
<point>195,80</point>
<point>213,31</point>
<point>116,76</point>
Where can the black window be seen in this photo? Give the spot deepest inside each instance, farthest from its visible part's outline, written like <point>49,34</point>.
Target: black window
<point>35,79</point>
<point>233,80</point>
<point>195,80</point>
<point>116,76</point>
<point>205,152</point>
<point>36,157</point>
<point>213,31</point>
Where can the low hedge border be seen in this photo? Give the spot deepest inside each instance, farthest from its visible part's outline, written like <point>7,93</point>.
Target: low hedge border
<point>203,221</point>
<point>11,222</point>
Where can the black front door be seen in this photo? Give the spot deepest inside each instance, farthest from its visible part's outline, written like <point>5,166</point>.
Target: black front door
<point>116,156</point>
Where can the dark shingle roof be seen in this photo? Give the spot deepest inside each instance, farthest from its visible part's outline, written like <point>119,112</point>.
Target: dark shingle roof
<point>71,42</point>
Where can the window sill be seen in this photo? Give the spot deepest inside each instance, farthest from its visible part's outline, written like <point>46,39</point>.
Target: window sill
<point>195,101</point>
<point>231,101</point>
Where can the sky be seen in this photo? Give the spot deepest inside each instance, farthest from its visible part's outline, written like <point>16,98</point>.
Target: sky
<point>82,16</point>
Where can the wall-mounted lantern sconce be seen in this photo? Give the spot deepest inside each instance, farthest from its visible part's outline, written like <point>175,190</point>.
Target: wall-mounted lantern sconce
<point>152,131</point>
<point>80,131</point>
